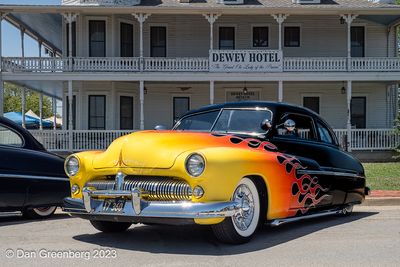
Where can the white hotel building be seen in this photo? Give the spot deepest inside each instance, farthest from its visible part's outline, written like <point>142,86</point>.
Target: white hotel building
<point>123,65</point>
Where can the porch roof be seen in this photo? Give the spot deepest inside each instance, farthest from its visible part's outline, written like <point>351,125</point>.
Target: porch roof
<point>365,7</point>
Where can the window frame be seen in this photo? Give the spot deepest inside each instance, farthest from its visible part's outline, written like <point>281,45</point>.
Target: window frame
<point>234,35</point>
<point>127,22</point>
<point>133,109</point>
<point>105,35</point>
<point>289,138</point>
<point>365,109</point>
<point>173,105</point>
<point>166,38</point>
<point>312,95</point>
<point>363,25</point>
<point>105,111</point>
<point>15,132</point>
<point>284,35</point>
<point>268,26</point>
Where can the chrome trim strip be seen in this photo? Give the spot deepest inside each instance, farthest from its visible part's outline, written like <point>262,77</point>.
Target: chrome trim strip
<point>278,222</point>
<point>316,172</point>
<point>23,176</point>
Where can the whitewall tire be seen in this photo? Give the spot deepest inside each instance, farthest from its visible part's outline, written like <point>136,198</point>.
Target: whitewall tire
<point>243,224</point>
<point>39,213</point>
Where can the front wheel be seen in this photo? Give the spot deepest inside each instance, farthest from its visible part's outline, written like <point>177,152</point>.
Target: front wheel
<point>110,227</point>
<point>39,213</point>
<point>242,225</point>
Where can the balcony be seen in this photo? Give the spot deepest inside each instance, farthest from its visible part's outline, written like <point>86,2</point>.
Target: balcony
<point>79,140</point>
<point>193,64</point>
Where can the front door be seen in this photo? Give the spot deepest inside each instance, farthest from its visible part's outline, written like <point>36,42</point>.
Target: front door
<point>181,106</point>
<point>126,113</point>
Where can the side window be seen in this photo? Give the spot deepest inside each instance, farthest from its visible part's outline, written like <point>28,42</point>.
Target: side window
<point>10,138</point>
<point>324,134</point>
<point>296,126</point>
<point>198,122</point>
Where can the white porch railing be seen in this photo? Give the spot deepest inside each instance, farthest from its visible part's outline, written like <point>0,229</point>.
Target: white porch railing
<point>175,64</point>
<point>194,64</point>
<point>361,139</point>
<point>106,64</point>
<point>315,64</point>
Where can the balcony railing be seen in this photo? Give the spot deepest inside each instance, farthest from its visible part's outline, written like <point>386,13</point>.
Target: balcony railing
<point>59,140</point>
<point>195,64</point>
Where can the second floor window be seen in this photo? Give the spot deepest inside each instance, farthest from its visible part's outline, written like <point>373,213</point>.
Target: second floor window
<point>357,41</point>
<point>260,36</point>
<point>97,38</point>
<point>97,112</point>
<point>126,40</point>
<point>226,38</point>
<point>158,41</point>
<point>292,36</point>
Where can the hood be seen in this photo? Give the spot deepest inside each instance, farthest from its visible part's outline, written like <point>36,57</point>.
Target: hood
<point>152,149</point>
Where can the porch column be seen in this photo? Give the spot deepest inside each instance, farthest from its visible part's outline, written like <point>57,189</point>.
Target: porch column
<point>70,119</point>
<point>280,91</point>
<point>212,83</point>
<point>141,93</point>
<point>69,19</point>
<point>349,89</point>
<point>40,54</point>
<point>280,18</point>
<point>23,106</point>
<point>54,102</point>
<point>41,111</point>
<point>211,18</point>
<point>141,18</point>
<point>2,16</point>
<point>1,95</point>
<point>348,18</point>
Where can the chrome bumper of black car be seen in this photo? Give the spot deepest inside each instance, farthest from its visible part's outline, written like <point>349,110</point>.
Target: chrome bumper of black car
<point>135,207</point>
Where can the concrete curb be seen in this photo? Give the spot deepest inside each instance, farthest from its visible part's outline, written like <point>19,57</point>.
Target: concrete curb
<point>381,201</point>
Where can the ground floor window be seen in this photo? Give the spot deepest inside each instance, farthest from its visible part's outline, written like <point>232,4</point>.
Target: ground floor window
<point>73,113</point>
<point>358,112</point>
<point>181,106</point>
<point>126,113</point>
<point>311,102</point>
<point>97,112</point>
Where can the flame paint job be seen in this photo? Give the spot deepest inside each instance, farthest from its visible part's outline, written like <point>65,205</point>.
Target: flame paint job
<point>228,159</point>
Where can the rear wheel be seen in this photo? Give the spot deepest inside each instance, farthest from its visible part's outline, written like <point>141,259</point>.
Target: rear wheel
<point>241,227</point>
<point>39,213</point>
<point>111,227</point>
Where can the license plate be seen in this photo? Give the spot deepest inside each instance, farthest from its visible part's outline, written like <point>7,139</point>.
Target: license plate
<point>114,205</point>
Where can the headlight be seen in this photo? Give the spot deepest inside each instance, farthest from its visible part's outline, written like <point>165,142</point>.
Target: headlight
<point>195,165</point>
<point>71,166</point>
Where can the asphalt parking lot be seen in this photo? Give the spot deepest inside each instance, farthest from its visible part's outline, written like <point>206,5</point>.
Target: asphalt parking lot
<point>370,237</point>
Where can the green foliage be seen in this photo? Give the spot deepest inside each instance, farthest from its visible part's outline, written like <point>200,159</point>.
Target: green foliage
<point>13,97</point>
<point>383,176</point>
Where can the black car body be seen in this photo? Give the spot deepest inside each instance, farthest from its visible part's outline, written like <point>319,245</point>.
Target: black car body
<point>30,176</point>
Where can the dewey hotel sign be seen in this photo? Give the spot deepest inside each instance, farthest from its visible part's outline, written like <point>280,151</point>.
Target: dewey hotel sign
<point>245,60</point>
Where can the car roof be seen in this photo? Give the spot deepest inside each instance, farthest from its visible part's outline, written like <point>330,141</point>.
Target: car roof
<point>273,106</point>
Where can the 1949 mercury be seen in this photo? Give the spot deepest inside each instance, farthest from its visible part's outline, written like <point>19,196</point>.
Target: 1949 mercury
<point>233,166</point>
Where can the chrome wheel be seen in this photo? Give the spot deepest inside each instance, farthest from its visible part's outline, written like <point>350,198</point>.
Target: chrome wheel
<point>245,220</point>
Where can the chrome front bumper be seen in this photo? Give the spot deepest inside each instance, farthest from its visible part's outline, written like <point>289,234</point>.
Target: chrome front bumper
<point>91,207</point>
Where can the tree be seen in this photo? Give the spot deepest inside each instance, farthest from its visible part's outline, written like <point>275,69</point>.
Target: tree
<point>13,100</point>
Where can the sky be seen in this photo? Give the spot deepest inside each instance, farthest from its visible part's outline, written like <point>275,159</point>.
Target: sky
<point>11,38</point>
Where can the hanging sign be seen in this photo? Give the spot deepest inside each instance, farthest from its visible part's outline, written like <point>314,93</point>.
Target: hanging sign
<point>245,61</point>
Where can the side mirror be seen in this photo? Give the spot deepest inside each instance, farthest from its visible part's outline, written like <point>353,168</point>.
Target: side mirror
<point>289,125</point>
<point>266,125</point>
<point>160,128</point>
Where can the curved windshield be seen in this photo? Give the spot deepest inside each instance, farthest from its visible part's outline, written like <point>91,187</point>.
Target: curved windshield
<point>228,121</point>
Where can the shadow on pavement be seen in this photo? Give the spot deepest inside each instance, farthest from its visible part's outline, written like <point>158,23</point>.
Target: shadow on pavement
<point>199,240</point>
<point>18,219</point>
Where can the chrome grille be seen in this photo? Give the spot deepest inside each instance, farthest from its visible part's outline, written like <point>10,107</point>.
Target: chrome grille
<point>156,188</point>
